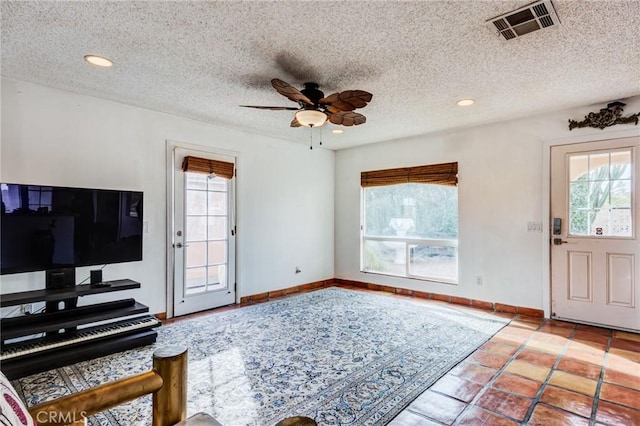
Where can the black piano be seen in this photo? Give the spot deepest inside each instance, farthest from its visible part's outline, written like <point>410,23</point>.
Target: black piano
<point>52,339</point>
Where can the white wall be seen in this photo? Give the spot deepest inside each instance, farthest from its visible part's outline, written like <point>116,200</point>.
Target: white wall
<point>285,191</point>
<point>503,185</point>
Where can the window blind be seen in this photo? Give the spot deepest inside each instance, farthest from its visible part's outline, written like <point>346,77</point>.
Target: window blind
<point>438,174</point>
<point>206,166</point>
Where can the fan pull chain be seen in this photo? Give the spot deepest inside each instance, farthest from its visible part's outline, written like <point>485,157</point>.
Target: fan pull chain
<point>320,136</point>
<point>310,136</point>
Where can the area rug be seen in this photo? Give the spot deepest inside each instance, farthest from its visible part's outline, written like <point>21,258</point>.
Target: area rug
<point>340,356</point>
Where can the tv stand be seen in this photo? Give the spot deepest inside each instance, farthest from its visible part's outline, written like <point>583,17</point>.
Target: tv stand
<point>74,333</point>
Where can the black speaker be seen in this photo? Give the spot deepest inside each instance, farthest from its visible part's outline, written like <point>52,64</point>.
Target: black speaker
<point>57,280</point>
<point>96,276</point>
<point>60,278</point>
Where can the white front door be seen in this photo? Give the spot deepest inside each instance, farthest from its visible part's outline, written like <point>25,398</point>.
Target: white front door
<point>202,240</point>
<point>595,249</point>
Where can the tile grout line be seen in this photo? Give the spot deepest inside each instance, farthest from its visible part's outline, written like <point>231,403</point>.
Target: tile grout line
<point>419,414</point>
<point>471,403</point>
<point>501,370</point>
<point>596,396</point>
<point>536,399</point>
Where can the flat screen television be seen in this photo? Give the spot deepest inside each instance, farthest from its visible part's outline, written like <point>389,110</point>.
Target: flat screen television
<point>48,227</point>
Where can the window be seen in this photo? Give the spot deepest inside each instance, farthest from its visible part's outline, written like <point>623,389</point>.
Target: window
<point>600,194</point>
<point>40,198</point>
<point>410,222</point>
<point>207,197</point>
<point>206,208</point>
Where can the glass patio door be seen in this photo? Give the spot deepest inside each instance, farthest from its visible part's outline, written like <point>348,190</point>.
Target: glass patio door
<point>203,238</point>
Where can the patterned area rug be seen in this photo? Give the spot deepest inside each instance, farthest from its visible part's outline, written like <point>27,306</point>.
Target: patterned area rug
<point>342,357</point>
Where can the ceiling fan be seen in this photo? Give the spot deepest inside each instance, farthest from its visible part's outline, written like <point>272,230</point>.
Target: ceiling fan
<point>314,109</point>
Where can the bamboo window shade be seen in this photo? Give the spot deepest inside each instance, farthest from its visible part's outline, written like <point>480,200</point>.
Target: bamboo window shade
<point>437,174</point>
<point>221,169</point>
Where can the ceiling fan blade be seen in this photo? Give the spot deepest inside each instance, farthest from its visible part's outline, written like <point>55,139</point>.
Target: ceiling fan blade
<point>285,89</point>
<point>273,108</point>
<point>347,118</point>
<point>295,123</point>
<point>347,100</point>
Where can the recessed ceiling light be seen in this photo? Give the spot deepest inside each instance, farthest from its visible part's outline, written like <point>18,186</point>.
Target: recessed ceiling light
<point>98,60</point>
<point>466,102</point>
<point>337,131</point>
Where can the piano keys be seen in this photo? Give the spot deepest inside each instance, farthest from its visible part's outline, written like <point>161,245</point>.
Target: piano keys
<point>52,351</point>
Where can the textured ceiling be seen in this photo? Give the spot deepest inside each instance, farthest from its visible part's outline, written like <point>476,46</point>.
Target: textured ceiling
<point>203,59</point>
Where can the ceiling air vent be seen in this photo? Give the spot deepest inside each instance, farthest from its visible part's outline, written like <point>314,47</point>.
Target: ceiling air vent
<point>525,20</point>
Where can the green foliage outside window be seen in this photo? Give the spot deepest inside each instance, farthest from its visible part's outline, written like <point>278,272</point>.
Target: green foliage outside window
<point>433,209</point>
<point>594,190</point>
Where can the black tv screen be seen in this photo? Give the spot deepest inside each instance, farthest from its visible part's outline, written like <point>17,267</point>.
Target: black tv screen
<point>48,227</point>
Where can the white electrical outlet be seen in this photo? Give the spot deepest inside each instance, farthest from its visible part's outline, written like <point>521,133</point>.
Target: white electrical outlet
<point>479,280</point>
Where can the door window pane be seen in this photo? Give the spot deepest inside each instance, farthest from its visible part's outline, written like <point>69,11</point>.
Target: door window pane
<point>195,181</point>
<point>206,201</point>
<point>598,194</point>
<point>196,228</point>
<point>196,202</point>
<point>579,221</point>
<point>621,222</point>
<point>579,165</point>
<point>196,254</point>
<point>599,166</point>
<point>217,252</point>
<point>579,198</point>
<point>217,184</point>
<point>600,200</point>
<point>621,160</point>
<point>216,275</point>
<point>217,227</point>
<point>217,203</point>
<point>194,280</point>
<point>621,193</point>
<point>600,222</point>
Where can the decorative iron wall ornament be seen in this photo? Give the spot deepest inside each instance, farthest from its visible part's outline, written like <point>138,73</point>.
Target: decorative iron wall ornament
<point>609,116</point>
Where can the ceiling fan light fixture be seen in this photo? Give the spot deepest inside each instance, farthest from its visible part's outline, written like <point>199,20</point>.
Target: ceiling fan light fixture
<point>100,61</point>
<point>311,117</point>
<point>466,102</point>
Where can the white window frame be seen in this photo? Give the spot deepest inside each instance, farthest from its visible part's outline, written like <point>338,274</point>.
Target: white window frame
<point>407,242</point>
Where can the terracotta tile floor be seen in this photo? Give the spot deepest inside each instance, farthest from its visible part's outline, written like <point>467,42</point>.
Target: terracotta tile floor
<point>538,372</point>
<point>534,372</point>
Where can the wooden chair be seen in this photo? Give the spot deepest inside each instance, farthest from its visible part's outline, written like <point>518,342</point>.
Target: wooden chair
<point>167,381</point>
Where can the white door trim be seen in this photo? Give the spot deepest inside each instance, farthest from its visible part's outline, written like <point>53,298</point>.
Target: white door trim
<point>592,136</point>
<point>169,269</point>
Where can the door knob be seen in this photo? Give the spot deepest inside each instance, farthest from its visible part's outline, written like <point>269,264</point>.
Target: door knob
<point>558,241</point>
<point>180,245</point>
